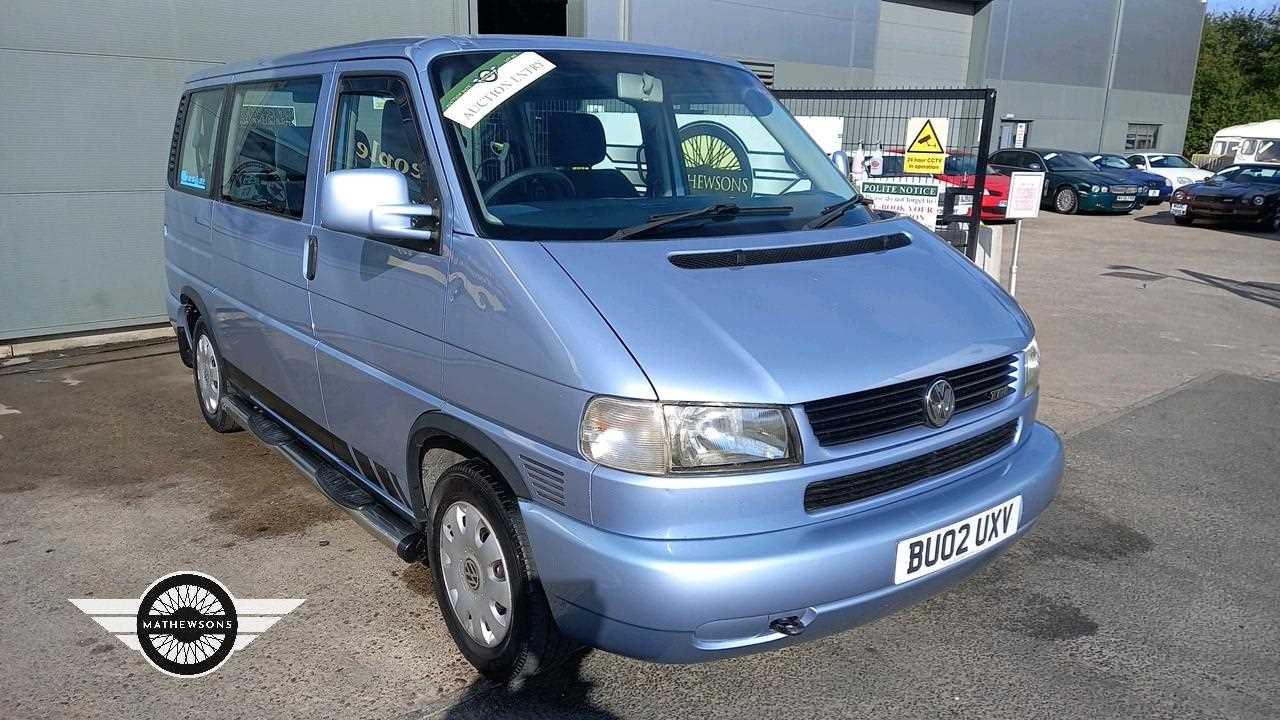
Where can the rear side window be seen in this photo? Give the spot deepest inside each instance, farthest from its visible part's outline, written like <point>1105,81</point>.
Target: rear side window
<point>268,145</point>
<point>203,111</point>
<point>376,129</point>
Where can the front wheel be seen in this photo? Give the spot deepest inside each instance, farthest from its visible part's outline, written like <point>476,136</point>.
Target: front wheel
<point>485,581</point>
<point>1065,201</point>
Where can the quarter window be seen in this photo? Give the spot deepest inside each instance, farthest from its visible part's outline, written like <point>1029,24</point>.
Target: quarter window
<point>268,145</point>
<point>376,128</point>
<point>1141,137</point>
<point>199,136</point>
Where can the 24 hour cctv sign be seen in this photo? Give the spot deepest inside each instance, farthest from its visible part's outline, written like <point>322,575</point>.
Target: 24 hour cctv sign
<point>492,84</point>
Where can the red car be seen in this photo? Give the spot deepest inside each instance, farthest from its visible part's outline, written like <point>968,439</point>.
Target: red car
<point>958,171</point>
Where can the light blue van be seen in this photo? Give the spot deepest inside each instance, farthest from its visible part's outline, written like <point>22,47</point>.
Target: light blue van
<point>599,333</point>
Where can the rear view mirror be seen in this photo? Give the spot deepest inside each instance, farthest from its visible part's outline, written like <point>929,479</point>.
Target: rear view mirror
<point>759,102</point>
<point>374,203</point>
<point>639,86</point>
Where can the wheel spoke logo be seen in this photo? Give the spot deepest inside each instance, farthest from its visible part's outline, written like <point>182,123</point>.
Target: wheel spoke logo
<point>187,624</point>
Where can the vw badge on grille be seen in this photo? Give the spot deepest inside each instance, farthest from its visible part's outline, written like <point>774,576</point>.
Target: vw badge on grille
<point>939,403</point>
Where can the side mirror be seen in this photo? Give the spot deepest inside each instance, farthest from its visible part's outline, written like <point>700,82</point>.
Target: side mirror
<point>841,160</point>
<point>374,202</point>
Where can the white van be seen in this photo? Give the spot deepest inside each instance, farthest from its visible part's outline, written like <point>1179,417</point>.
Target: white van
<point>1257,142</point>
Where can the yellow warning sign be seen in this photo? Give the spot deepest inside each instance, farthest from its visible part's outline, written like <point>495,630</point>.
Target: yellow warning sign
<point>926,145</point>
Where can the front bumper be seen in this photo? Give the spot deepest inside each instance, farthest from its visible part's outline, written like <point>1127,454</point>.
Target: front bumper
<point>698,600</point>
<point>1109,202</point>
<point>1242,212</point>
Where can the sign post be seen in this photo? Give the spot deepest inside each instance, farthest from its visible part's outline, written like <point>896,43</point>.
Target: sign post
<point>1025,190</point>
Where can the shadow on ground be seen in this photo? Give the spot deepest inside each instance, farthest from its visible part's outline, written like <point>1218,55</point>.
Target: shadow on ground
<point>1267,293</point>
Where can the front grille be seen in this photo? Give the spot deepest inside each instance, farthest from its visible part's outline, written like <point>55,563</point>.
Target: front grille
<point>891,408</point>
<point>1124,189</point>
<point>859,486</point>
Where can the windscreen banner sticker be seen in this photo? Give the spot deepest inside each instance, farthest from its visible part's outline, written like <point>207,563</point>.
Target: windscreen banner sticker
<point>491,84</point>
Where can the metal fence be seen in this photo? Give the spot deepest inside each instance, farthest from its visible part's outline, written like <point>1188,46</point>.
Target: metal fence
<point>877,119</point>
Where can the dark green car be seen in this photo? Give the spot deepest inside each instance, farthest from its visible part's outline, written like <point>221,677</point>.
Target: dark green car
<point>1071,182</point>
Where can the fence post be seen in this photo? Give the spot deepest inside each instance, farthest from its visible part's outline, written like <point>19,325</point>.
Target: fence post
<point>980,172</point>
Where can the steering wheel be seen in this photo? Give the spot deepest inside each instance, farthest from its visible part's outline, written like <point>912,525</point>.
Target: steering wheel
<point>255,180</point>
<point>538,183</point>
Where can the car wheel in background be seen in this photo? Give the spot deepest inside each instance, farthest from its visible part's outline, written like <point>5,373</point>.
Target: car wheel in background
<point>485,581</point>
<point>1065,200</point>
<point>211,385</point>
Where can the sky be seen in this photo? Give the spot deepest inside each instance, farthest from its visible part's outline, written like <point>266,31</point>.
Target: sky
<point>1224,5</point>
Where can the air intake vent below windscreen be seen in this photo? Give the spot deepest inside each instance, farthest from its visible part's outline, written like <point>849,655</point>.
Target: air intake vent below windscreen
<point>793,253</point>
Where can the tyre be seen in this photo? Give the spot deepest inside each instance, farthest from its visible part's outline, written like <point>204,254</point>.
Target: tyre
<point>1065,200</point>
<point>1270,223</point>
<point>211,386</point>
<point>485,580</point>
<point>1182,219</point>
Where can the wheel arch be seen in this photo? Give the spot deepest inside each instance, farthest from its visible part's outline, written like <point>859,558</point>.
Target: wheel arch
<point>193,308</point>
<point>437,432</point>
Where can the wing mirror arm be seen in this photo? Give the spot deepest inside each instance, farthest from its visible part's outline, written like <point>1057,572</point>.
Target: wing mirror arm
<point>395,222</point>
<point>374,203</point>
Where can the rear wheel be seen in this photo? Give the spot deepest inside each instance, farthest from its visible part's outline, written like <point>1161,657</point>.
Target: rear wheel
<point>1065,200</point>
<point>211,387</point>
<point>485,581</point>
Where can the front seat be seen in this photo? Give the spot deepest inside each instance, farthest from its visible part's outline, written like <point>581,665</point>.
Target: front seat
<point>576,143</point>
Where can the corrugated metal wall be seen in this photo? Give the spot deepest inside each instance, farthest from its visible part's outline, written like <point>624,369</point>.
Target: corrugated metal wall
<point>89,91</point>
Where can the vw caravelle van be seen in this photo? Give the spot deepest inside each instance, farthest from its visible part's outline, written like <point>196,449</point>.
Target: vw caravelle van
<point>597,332</point>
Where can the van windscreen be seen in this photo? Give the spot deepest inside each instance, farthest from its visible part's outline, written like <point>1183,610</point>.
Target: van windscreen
<point>576,145</point>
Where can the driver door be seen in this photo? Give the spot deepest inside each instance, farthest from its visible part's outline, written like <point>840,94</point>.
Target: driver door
<point>379,304</point>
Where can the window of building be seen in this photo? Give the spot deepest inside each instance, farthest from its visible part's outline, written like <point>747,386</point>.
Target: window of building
<point>199,136</point>
<point>268,145</point>
<point>376,128</point>
<point>1141,137</point>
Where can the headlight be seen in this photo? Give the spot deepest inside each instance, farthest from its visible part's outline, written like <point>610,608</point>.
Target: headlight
<point>1105,189</point>
<point>1184,180</point>
<point>1258,199</point>
<point>1179,195</point>
<point>1030,368</point>
<point>1095,188</point>
<point>656,438</point>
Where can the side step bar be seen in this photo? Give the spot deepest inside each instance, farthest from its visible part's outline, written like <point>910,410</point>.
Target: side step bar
<point>381,522</point>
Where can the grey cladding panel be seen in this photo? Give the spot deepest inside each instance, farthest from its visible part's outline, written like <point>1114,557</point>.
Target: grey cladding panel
<point>922,46</point>
<point>819,32</point>
<point>1159,46</point>
<point>1053,42</point>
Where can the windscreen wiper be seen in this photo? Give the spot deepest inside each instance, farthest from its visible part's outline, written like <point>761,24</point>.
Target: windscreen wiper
<point>722,210</point>
<point>831,213</point>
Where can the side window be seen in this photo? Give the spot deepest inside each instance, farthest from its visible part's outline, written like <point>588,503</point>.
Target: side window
<point>199,137</point>
<point>1002,158</point>
<point>268,144</point>
<point>1031,161</point>
<point>1136,160</point>
<point>376,128</point>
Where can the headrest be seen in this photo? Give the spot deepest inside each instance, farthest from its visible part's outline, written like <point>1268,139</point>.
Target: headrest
<point>576,139</point>
<point>394,130</point>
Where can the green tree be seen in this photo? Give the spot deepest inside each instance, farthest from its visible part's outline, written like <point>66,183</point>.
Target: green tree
<point>1238,76</point>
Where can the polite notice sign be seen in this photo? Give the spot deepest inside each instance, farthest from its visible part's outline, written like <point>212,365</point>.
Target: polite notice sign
<point>1025,189</point>
<point>918,201</point>
<point>926,145</point>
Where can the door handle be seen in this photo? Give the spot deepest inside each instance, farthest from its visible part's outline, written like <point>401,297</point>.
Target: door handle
<point>309,257</point>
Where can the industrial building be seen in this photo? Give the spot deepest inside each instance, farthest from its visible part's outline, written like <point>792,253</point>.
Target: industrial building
<point>90,92</point>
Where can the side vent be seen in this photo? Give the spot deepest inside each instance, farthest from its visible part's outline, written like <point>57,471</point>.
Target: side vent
<point>179,122</point>
<point>793,253</point>
<point>545,481</point>
<point>762,70</point>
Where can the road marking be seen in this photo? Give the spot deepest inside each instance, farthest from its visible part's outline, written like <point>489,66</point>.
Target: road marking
<point>6,410</point>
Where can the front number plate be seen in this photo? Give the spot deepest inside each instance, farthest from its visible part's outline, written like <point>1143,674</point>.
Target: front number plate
<point>1126,198</point>
<point>1178,208</point>
<point>937,549</point>
<point>1153,193</point>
